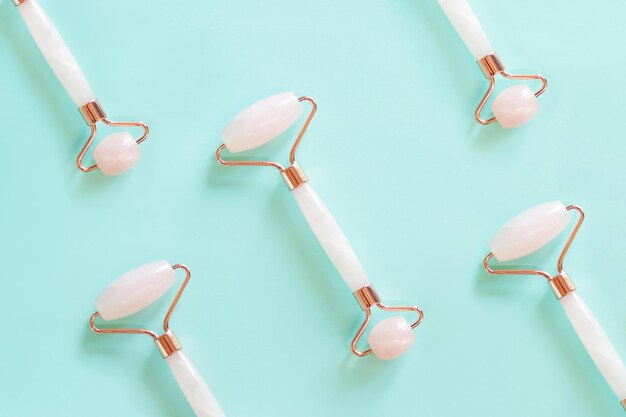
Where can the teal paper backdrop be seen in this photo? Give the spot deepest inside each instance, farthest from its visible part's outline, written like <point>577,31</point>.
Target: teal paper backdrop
<point>417,185</point>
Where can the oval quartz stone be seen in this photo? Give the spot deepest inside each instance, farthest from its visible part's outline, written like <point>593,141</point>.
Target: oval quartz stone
<point>135,290</point>
<point>261,122</point>
<point>515,106</point>
<point>117,153</point>
<point>529,231</point>
<point>391,338</point>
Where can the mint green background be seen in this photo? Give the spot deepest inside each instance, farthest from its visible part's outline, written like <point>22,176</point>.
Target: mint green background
<point>418,187</point>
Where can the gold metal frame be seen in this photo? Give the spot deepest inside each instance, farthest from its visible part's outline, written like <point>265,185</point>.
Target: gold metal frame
<point>491,66</point>
<point>93,113</point>
<point>293,174</point>
<point>167,343</point>
<point>367,297</point>
<point>560,284</point>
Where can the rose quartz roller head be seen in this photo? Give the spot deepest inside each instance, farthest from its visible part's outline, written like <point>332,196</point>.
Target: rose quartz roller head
<point>116,153</point>
<point>262,122</point>
<point>514,106</point>
<point>527,233</point>
<point>136,290</point>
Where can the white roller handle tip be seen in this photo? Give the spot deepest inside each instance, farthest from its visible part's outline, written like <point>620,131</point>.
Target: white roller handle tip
<point>466,24</point>
<point>56,52</point>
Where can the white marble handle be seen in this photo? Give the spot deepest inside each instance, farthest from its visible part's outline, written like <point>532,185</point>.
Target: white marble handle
<point>468,27</point>
<point>56,52</point>
<point>330,236</point>
<point>596,342</point>
<point>197,392</point>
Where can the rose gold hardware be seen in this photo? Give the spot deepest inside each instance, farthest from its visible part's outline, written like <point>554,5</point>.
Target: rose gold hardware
<point>293,174</point>
<point>367,297</point>
<point>561,284</point>
<point>16,3</point>
<point>167,343</point>
<point>491,66</point>
<point>624,404</point>
<point>93,112</point>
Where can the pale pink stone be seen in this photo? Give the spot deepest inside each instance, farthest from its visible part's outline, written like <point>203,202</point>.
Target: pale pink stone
<point>117,153</point>
<point>515,106</point>
<point>391,338</point>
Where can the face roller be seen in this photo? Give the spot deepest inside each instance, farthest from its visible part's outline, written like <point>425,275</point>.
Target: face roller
<point>136,290</point>
<point>527,233</point>
<point>262,122</point>
<point>514,106</point>
<point>118,152</point>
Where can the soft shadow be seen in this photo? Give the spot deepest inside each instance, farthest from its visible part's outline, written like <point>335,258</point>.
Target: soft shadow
<point>103,345</point>
<point>502,285</point>
<point>455,56</point>
<point>355,373</point>
<point>221,176</point>
<point>327,284</point>
<point>487,137</point>
<point>154,370</point>
<point>86,184</point>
